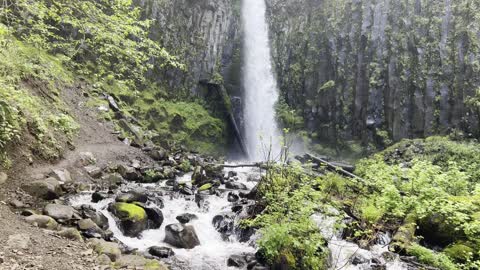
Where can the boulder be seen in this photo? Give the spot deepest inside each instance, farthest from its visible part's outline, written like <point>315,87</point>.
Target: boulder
<point>48,189</point>
<point>138,262</point>
<point>236,261</point>
<point>155,217</point>
<point>99,196</point>
<point>112,250</point>
<point>42,221</point>
<point>198,177</point>
<point>93,171</point>
<point>158,154</point>
<point>89,212</point>
<point>62,175</point>
<point>232,197</point>
<point>186,218</point>
<point>85,159</point>
<point>72,234</point>
<point>161,252</point>
<point>224,223</point>
<point>181,236</point>
<point>113,179</point>
<point>132,219</point>
<point>132,196</point>
<point>235,185</point>
<point>87,224</point>
<point>112,103</point>
<point>129,173</point>
<point>59,212</point>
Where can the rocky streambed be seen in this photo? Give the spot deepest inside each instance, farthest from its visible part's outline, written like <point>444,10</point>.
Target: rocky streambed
<point>179,211</point>
<point>190,227</point>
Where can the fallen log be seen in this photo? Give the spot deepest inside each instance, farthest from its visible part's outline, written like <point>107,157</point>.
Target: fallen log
<point>340,168</point>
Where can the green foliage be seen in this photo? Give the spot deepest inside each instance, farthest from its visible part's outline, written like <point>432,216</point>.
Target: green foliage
<point>103,39</point>
<point>289,118</point>
<point>434,180</point>
<point>429,257</point>
<point>288,232</point>
<point>29,106</point>
<point>181,123</point>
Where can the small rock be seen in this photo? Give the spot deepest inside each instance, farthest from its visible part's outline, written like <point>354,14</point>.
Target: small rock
<point>3,178</point>
<point>181,236</point>
<point>103,260</point>
<point>224,223</point>
<point>48,189</point>
<point>161,252</point>
<point>16,203</point>
<point>186,218</point>
<point>158,154</point>
<point>235,185</point>
<point>18,241</point>
<point>59,212</point>
<point>93,171</point>
<point>232,197</point>
<point>42,221</point>
<point>236,261</point>
<point>62,175</point>
<point>155,217</point>
<point>132,196</point>
<point>99,218</point>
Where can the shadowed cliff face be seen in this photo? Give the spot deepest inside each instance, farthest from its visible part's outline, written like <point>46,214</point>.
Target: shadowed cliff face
<point>357,68</point>
<point>201,33</point>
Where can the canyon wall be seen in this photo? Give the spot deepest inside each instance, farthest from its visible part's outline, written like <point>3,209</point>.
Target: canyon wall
<point>377,69</point>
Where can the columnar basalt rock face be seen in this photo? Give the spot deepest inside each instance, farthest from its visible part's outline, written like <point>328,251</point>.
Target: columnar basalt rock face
<point>359,69</point>
<point>202,33</point>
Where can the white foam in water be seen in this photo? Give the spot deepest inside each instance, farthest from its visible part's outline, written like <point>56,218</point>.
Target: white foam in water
<point>343,251</point>
<point>213,251</point>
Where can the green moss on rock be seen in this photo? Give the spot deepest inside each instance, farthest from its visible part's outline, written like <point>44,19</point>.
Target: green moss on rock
<point>205,187</point>
<point>129,211</point>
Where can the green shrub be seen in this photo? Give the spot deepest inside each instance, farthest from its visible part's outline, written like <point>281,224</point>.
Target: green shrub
<point>287,231</point>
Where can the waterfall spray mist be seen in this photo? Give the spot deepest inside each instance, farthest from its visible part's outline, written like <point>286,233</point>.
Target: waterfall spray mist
<point>261,94</point>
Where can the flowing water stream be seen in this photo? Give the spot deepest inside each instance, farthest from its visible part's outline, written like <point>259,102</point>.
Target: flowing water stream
<point>213,251</point>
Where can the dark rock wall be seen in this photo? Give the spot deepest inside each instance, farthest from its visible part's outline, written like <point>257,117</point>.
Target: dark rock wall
<point>203,34</point>
<point>364,69</point>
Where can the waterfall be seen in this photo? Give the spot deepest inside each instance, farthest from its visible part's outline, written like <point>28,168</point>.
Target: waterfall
<point>261,131</point>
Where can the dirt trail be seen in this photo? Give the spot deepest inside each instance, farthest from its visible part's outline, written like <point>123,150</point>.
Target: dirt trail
<point>23,246</point>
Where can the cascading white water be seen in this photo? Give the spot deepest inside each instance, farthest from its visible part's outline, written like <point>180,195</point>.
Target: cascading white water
<point>261,131</point>
<point>213,251</point>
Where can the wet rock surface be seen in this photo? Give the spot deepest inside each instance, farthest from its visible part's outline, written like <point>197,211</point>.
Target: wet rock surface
<point>181,236</point>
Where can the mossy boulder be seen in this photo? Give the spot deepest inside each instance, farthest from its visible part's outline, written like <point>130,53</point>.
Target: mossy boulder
<point>110,249</point>
<point>138,262</point>
<point>132,219</point>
